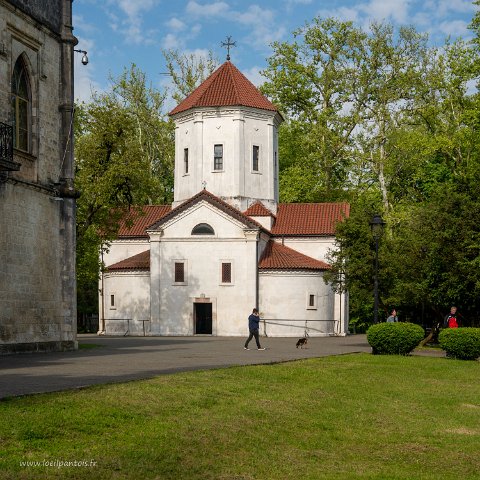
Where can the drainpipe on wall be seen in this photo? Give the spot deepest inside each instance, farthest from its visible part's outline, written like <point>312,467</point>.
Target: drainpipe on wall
<point>101,329</point>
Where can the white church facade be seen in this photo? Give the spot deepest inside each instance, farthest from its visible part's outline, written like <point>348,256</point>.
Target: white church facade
<point>226,244</point>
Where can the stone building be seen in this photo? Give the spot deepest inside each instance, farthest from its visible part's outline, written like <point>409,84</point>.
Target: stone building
<point>226,244</point>
<point>37,197</point>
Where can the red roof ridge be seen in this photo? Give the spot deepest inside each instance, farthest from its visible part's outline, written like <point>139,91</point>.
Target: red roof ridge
<point>280,257</point>
<point>226,86</point>
<point>214,200</point>
<point>141,261</point>
<point>258,209</point>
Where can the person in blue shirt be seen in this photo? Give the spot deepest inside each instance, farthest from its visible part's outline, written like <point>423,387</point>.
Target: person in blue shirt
<point>253,326</point>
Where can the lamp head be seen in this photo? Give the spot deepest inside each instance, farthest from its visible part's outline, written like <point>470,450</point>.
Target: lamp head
<point>377,225</point>
<point>85,59</point>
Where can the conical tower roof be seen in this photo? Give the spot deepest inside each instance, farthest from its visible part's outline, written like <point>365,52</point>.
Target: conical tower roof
<point>226,86</point>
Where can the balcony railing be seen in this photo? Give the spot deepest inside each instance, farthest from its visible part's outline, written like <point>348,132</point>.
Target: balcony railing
<point>6,148</point>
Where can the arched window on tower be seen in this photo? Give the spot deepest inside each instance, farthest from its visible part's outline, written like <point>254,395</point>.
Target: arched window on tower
<point>203,229</point>
<point>21,106</point>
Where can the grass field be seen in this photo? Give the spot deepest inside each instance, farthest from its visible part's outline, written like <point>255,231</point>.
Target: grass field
<point>346,417</point>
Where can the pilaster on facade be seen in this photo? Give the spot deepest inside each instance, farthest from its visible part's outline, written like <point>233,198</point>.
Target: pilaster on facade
<point>240,162</point>
<point>199,162</point>
<point>155,279</point>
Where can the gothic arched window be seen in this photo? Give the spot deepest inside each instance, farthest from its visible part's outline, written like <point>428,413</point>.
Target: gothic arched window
<point>203,229</point>
<point>21,105</point>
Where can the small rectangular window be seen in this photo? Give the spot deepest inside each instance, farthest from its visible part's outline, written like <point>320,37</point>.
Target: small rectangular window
<point>226,273</point>
<point>185,160</point>
<point>179,272</point>
<point>112,301</point>
<point>218,157</point>
<point>255,154</point>
<point>311,301</point>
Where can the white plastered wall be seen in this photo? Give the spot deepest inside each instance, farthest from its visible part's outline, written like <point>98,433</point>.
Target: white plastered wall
<point>122,249</point>
<point>238,129</point>
<point>129,312</point>
<point>284,304</point>
<point>172,305</point>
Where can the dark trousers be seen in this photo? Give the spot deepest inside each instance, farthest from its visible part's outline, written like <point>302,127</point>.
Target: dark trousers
<point>253,333</point>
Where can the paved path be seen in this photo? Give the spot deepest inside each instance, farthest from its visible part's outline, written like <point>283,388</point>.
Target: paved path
<point>119,359</point>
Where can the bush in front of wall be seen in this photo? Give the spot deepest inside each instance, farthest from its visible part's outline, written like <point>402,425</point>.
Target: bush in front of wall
<point>462,343</point>
<point>394,338</point>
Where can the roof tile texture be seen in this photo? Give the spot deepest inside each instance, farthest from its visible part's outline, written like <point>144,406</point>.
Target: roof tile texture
<point>258,209</point>
<point>279,257</point>
<point>140,218</point>
<point>309,218</point>
<point>226,86</point>
<point>140,261</point>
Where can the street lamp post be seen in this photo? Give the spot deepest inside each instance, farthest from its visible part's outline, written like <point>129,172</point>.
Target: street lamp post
<point>376,225</point>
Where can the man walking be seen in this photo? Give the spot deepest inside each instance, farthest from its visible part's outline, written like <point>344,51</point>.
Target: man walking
<point>253,326</point>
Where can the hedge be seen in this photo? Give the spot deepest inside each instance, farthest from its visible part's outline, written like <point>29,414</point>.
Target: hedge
<point>394,338</point>
<point>462,343</point>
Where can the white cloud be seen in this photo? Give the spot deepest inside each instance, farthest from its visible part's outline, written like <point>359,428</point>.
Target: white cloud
<point>254,75</point>
<point>396,10</point>
<point>176,24</point>
<point>264,28</point>
<point>445,7</point>
<point>172,41</point>
<point>132,25</point>
<point>80,23</point>
<point>373,10</point>
<point>454,28</point>
<point>84,85</point>
<point>178,39</point>
<point>214,9</point>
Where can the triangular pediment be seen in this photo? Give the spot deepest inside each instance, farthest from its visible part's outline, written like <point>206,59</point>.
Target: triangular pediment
<point>208,199</point>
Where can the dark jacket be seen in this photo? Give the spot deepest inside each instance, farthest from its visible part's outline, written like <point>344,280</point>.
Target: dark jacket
<point>448,317</point>
<point>253,322</point>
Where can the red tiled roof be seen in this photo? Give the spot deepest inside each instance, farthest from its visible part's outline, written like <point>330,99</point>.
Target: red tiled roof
<point>140,261</point>
<point>309,218</point>
<point>135,224</point>
<point>258,209</point>
<point>213,200</point>
<point>279,257</point>
<point>226,86</point>
<point>292,219</point>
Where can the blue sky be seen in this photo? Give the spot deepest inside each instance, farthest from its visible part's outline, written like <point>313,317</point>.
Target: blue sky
<point>117,33</point>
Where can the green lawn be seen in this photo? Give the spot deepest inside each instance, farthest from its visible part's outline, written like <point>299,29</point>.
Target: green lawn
<point>353,416</point>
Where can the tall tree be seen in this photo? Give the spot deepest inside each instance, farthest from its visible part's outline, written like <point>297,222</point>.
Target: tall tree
<point>312,80</point>
<point>124,150</point>
<point>188,71</point>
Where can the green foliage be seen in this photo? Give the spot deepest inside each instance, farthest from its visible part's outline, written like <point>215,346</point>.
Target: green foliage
<point>461,343</point>
<point>394,338</point>
<point>124,153</point>
<point>188,71</point>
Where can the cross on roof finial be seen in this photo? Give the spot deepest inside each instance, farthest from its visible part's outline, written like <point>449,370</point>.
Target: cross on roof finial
<point>228,44</point>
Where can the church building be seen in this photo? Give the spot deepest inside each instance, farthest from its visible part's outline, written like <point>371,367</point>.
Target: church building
<point>226,244</point>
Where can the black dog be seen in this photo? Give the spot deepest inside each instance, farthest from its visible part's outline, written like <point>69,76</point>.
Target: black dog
<point>302,342</point>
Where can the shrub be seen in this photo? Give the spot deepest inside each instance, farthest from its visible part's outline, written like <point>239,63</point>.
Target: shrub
<point>394,338</point>
<point>462,343</point>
